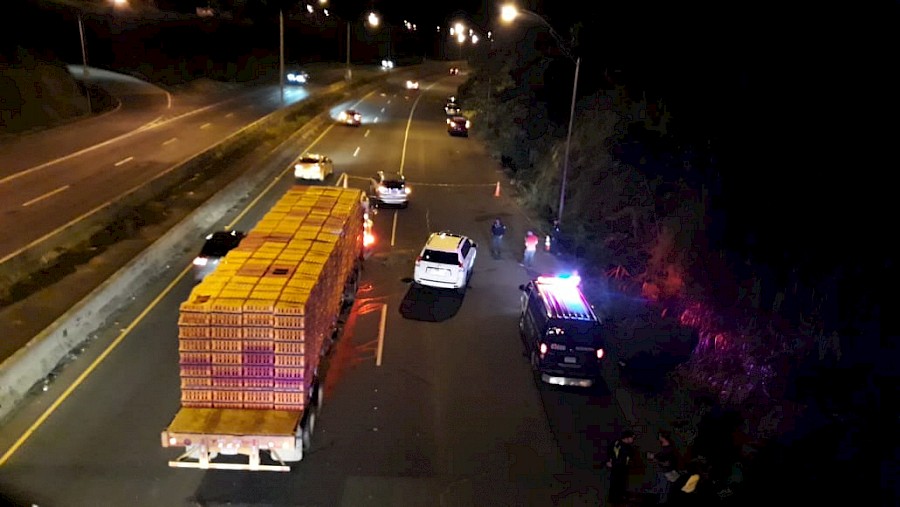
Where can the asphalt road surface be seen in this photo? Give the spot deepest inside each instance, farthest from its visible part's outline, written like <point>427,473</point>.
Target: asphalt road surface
<point>451,415</point>
<point>50,178</point>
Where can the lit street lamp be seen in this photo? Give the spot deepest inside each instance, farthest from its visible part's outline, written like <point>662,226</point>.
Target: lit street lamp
<point>509,13</point>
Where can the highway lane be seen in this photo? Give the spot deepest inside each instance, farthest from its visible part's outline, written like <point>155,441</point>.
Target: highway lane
<point>49,179</point>
<point>451,416</point>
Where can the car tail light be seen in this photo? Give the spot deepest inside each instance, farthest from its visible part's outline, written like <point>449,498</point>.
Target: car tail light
<point>368,239</point>
<point>468,124</point>
<point>200,261</point>
<point>407,190</point>
<point>382,189</point>
<point>418,259</point>
<point>599,353</point>
<point>543,349</point>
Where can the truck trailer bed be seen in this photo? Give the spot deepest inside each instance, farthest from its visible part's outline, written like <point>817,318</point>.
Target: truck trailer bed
<point>206,433</point>
<point>235,422</point>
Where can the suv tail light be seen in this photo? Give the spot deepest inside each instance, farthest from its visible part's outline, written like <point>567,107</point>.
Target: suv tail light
<point>599,353</point>
<point>419,258</point>
<point>543,349</point>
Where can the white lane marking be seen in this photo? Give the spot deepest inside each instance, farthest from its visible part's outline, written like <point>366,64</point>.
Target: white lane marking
<point>367,133</point>
<point>376,120</point>
<point>381,327</point>
<point>356,152</point>
<point>229,115</point>
<point>48,194</point>
<point>124,161</point>
<point>394,230</point>
<point>382,109</point>
<point>108,142</point>
<point>412,111</point>
<point>170,141</point>
<point>205,125</point>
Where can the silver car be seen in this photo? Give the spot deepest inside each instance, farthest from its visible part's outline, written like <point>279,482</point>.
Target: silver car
<point>312,166</point>
<point>389,188</point>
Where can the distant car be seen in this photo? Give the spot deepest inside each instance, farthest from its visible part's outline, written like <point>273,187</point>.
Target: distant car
<point>387,64</point>
<point>297,77</point>
<point>350,117</point>
<point>214,249</point>
<point>452,109</point>
<point>313,166</point>
<point>458,126</point>
<point>389,188</point>
<point>454,71</point>
<point>446,261</point>
<point>412,85</point>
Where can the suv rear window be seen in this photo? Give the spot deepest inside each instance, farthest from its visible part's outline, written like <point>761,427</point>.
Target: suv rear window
<point>394,183</point>
<point>579,333</point>
<point>440,257</point>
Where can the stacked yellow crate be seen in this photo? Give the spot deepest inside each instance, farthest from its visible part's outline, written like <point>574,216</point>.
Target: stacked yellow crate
<point>193,347</point>
<point>251,333</point>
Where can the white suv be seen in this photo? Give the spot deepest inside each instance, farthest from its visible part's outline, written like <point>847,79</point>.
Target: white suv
<point>446,261</point>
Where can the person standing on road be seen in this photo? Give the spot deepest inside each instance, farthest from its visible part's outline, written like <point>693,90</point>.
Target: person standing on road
<point>531,243</point>
<point>666,459</point>
<point>497,232</point>
<point>618,459</point>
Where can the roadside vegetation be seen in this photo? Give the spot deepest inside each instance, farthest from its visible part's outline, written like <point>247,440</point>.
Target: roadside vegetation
<point>709,337</point>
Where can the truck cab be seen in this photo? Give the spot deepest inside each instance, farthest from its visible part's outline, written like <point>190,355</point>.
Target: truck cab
<point>562,335</point>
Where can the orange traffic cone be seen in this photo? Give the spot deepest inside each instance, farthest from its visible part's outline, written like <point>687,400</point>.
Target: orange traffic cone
<point>497,190</point>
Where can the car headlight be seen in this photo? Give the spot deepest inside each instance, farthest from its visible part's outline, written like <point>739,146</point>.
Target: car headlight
<point>200,261</point>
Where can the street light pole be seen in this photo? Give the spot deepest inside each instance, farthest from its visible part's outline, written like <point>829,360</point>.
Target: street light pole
<point>509,12</point>
<point>349,74</point>
<point>84,69</point>
<point>565,171</point>
<point>281,52</point>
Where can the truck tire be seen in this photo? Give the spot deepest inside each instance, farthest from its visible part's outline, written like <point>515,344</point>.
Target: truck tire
<point>320,397</point>
<point>311,422</point>
<point>306,434</point>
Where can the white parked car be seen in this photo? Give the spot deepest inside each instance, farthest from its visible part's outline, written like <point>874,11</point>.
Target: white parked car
<point>446,261</point>
<point>312,166</point>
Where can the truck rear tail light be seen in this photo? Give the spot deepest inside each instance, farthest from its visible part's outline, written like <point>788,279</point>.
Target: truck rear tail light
<point>173,441</point>
<point>418,259</point>
<point>543,348</point>
<point>599,353</point>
